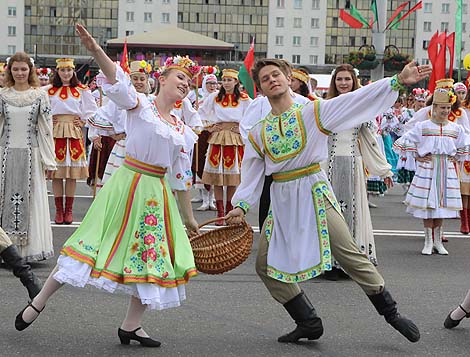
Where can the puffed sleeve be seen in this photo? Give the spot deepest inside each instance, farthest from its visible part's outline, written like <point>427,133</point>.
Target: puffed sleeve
<point>180,175</point>
<point>352,109</point>
<point>101,123</point>
<point>45,138</point>
<point>191,116</point>
<point>122,92</point>
<point>206,110</point>
<point>252,175</point>
<point>88,105</point>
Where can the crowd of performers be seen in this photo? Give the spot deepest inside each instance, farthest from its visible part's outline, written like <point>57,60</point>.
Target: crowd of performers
<point>309,163</point>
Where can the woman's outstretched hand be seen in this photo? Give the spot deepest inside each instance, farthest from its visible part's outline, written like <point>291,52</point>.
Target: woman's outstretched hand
<point>86,38</point>
<point>413,73</point>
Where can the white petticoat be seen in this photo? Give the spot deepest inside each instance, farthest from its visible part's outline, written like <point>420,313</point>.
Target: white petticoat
<point>77,274</point>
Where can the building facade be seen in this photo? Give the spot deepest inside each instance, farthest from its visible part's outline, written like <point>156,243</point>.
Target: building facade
<point>136,16</point>
<point>233,21</point>
<point>439,16</point>
<point>12,27</point>
<point>297,31</point>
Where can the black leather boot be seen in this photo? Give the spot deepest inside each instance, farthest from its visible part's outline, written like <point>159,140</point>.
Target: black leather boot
<point>387,307</point>
<point>309,325</point>
<point>22,270</point>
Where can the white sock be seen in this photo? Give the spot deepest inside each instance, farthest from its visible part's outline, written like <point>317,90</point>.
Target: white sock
<point>458,313</point>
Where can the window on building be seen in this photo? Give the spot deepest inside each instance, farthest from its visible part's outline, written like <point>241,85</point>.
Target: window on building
<point>11,11</point>
<point>363,40</point>
<point>279,56</point>
<point>34,29</point>
<point>296,59</point>
<point>279,22</point>
<point>129,32</point>
<point>197,16</point>
<point>425,44</point>
<point>296,41</point>
<point>428,7</point>
<point>297,22</point>
<point>315,23</point>
<point>150,1</point>
<point>334,22</point>
<point>352,41</point>
<point>281,4</point>
<point>53,30</point>
<point>315,4</point>
<point>165,1</point>
<point>147,17</point>
<point>464,27</point>
<point>180,16</point>
<point>427,26</point>
<point>280,40</point>
<point>12,31</point>
<point>334,40</point>
<point>27,11</point>
<point>445,8</point>
<point>11,49</point>
<point>109,32</point>
<point>444,26</point>
<point>216,35</point>
<point>165,17</point>
<point>313,59</point>
<point>314,41</point>
<point>297,4</point>
<point>130,16</point>
<point>52,11</point>
<point>464,8</point>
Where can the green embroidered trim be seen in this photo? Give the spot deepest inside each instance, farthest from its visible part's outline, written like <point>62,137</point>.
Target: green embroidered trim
<point>396,85</point>
<point>243,205</point>
<point>320,191</point>
<point>284,136</point>
<point>316,111</point>
<point>255,146</point>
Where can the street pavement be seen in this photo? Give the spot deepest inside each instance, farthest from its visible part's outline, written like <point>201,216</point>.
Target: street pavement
<point>234,315</point>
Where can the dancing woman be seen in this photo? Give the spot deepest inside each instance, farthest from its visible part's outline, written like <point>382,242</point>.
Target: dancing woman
<point>132,238</point>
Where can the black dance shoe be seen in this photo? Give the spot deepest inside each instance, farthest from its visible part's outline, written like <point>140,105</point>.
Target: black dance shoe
<point>21,324</point>
<point>127,336</point>
<point>451,323</point>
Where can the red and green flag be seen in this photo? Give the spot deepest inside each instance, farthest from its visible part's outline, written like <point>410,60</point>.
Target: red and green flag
<point>373,7</point>
<point>350,20</point>
<point>397,23</point>
<point>392,20</point>
<point>245,71</point>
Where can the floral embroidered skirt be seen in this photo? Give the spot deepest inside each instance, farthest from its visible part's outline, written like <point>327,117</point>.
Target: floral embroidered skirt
<point>132,239</point>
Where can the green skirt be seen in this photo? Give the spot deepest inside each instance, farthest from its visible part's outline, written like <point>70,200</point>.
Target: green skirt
<point>133,233</point>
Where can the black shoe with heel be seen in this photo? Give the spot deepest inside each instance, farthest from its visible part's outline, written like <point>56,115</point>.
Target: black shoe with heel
<point>451,323</point>
<point>127,336</point>
<point>21,324</point>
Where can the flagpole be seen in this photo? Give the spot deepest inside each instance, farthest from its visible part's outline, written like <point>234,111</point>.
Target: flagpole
<point>378,39</point>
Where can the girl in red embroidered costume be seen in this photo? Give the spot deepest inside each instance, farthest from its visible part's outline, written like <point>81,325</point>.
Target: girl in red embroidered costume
<point>72,104</point>
<point>224,110</point>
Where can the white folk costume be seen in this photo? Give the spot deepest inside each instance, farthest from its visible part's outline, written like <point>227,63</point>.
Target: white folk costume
<point>225,153</point>
<point>435,190</point>
<point>26,151</point>
<point>290,147</point>
<point>132,238</point>
<point>67,104</point>
<point>346,172</point>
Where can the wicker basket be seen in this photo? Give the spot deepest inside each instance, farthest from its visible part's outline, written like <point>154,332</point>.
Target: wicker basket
<point>222,249</point>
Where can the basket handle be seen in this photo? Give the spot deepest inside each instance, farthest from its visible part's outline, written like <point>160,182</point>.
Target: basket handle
<point>212,220</point>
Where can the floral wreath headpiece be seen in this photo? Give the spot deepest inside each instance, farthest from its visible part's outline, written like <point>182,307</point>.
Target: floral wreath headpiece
<point>210,70</point>
<point>420,94</point>
<point>184,64</point>
<point>44,73</point>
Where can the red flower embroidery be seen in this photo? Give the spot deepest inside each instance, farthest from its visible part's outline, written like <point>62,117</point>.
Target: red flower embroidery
<point>149,239</point>
<point>151,220</point>
<point>165,274</point>
<point>152,254</point>
<point>144,256</point>
<point>127,270</point>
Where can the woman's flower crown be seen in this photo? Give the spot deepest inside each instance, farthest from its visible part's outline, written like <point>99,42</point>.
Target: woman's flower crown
<point>210,70</point>
<point>184,64</point>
